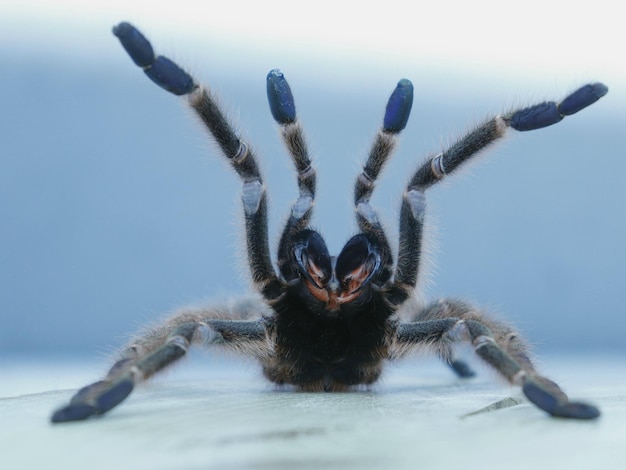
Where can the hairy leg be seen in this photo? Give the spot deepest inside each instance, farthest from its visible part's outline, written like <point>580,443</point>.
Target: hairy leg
<point>162,346</point>
<point>283,110</point>
<point>172,78</point>
<point>443,323</point>
<point>466,148</point>
<point>396,116</point>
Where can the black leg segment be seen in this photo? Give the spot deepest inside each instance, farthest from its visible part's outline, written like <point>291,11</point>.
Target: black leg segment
<point>397,113</point>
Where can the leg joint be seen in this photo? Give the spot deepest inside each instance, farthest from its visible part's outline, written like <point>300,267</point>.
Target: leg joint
<point>251,195</point>
<point>302,206</point>
<point>205,334</point>
<point>179,341</point>
<point>241,155</point>
<point>436,166</point>
<point>365,210</point>
<point>482,341</point>
<point>416,199</point>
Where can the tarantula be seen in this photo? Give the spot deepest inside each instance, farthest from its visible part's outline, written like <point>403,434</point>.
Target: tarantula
<point>322,322</point>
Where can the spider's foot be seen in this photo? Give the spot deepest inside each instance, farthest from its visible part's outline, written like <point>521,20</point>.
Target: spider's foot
<point>84,404</point>
<point>462,369</point>
<point>280,98</point>
<point>73,412</point>
<point>114,396</point>
<point>548,113</point>
<point>556,407</point>
<point>159,69</point>
<point>399,107</point>
<point>137,46</point>
<point>583,97</point>
<point>577,410</point>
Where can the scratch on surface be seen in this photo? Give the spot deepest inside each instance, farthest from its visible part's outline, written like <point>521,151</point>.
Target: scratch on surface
<point>281,435</point>
<point>499,405</point>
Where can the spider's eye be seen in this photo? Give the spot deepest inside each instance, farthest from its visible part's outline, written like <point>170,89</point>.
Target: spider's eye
<point>312,258</point>
<point>357,264</point>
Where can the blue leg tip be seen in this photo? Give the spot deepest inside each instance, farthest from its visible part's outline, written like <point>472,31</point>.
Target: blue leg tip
<point>582,98</point>
<point>575,410</point>
<point>90,390</point>
<point>136,45</point>
<point>535,117</point>
<point>114,396</point>
<point>540,397</point>
<point>399,107</point>
<point>73,412</point>
<point>462,369</point>
<point>551,405</point>
<point>280,98</point>
<point>170,76</point>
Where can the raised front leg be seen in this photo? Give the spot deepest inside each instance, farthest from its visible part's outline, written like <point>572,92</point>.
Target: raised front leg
<point>283,110</point>
<point>174,79</point>
<point>396,117</point>
<point>437,167</point>
<point>524,119</point>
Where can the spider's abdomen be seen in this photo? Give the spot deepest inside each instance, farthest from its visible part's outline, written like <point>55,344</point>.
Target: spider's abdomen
<point>322,353</point>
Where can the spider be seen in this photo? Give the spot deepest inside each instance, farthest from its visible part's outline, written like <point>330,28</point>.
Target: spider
<point>322,322</point>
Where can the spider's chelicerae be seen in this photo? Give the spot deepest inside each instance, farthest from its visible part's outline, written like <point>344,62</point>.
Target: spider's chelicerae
<point>322,322</point>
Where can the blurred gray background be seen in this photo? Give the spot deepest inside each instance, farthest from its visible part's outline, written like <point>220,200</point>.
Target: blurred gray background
<point>115,209</point>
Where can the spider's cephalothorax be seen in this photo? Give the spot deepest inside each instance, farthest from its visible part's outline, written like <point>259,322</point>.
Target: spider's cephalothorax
<point>330,326</point>
<point>326,323</point>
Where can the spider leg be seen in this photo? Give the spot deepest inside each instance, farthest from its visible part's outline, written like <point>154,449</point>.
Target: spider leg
<point>396,116</point>
<point>283,110</point>
<point>443,323</point>
<point>437,167</point>
<point>524,119</point>
<point>174,79</point>
<point>154,351</point>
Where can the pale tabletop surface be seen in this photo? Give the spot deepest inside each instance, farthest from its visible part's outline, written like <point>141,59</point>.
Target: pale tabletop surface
<point>222,415</point>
